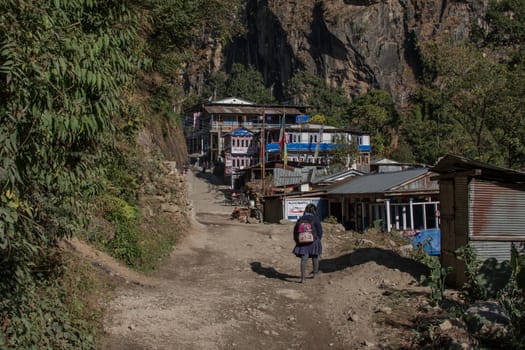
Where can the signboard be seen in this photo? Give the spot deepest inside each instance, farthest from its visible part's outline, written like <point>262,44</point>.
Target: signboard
<point>239,150</point>
<point>294,207</point>
<point>302,119</point>
<point>228,164</point>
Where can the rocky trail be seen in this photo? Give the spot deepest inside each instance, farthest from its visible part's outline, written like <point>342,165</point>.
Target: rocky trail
<point>231,285</point>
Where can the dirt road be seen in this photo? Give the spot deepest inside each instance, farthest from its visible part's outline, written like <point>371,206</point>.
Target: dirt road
<point>231,285</point>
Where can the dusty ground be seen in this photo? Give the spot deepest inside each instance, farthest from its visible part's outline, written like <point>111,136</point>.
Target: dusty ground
<point>231,285</point>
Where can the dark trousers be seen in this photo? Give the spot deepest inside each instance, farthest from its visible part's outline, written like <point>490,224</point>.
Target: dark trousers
<point>304,261</point>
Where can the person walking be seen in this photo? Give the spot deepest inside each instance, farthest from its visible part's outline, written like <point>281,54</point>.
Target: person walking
<point>307,235</point>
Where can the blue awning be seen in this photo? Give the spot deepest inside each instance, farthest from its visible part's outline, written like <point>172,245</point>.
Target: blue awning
<point>298,147</point>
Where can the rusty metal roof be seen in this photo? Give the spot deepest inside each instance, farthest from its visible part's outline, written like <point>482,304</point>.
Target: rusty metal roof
<point>453,163</point>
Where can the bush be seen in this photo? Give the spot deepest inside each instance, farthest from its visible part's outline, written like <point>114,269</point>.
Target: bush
<point>58,309</point>
<point>512,298</point>
<point>331,220</point>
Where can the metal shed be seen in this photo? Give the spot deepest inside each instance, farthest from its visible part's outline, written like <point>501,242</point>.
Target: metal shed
<point>481,205</point>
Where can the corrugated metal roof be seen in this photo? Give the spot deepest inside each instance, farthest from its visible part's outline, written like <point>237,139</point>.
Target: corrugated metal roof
<point>284,177</point>
<point>321,178</point>
<point>233,101</point>
<point>377,183</point>
<point>452,163</point>
<point>247,109</point>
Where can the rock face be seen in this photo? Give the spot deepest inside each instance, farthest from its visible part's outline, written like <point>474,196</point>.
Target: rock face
<point>353,44</point>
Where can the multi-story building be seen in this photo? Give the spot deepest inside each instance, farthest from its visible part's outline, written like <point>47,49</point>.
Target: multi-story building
<point>240,150</point>
<point>315,144</point>
<point>232,131</point>
<point>206,124</point>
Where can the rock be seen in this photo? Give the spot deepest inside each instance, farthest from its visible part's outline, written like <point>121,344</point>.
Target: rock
<point>171,166</point>
<point>492,317</point>
<point>353,317</point>
<point>406,249</point>
<point>385,309</point>
<point>445,325</point>
<point>169,208</point>
<point>266,332</point>
<point>251,220</point>
<point>491,311</point>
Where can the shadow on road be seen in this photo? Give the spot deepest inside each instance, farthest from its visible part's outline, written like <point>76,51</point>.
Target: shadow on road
<point>210,178</point>
<point>384,257</point>
<point>270,272</point>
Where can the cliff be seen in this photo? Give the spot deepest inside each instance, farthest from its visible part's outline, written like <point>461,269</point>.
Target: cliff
<point>356,45</point>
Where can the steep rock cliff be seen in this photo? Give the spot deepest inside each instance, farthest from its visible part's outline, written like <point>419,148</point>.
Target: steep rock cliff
<point>353,44</point>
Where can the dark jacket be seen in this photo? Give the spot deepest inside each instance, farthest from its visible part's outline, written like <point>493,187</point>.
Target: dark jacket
<point>314,248</point>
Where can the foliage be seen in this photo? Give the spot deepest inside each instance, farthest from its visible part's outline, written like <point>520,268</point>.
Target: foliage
<point>243,82</point>
<point>331,220</point>
<point>512,297</point>
<point>506,23</point>
<point>436,278</point>
<point>313,91</point>
<point>318,119</point>
<point>470,95</point>
<point>125,217</point>
<point>178,31</point>
<point>422,132</point>
<point>343,151</point>
<point>58,309</point>
<point>375,112</point>
<point>473,289</point>
<point>65,67</point>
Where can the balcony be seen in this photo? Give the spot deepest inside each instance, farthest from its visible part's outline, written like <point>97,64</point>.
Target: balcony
<point>229,126</point>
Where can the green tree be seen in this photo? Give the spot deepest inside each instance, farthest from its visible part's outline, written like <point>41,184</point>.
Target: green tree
<point>506,23</point>
<point>318,119</point>
<point>344,152</point>
<point>66,68</point>
<point>248,83</point>
<point>312,91</point>
<point>471,94</point>
<point>375,112</point>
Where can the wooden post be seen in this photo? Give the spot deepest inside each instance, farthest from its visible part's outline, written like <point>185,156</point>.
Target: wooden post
<point>387,207</point>
<point>263,153</point>
<point>411,214</point>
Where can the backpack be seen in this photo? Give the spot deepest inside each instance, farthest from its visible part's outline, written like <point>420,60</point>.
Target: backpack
<point>305,229</point>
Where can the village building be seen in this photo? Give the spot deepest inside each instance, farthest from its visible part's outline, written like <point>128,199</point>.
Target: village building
<point>205,124</point>
<point>309,143</point>
<point>481,205</point>
<point>405,201</point>
<point>234,134</point>
<point>240,152</point>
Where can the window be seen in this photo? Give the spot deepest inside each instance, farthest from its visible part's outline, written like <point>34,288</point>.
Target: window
<point>295,137</point>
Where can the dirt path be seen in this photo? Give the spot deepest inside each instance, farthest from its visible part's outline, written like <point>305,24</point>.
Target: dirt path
<point>236,286</point>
